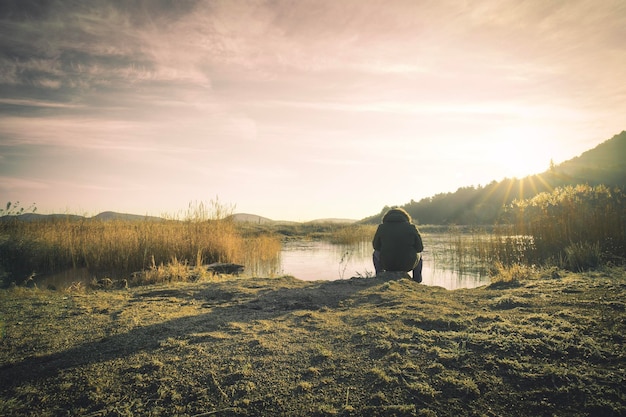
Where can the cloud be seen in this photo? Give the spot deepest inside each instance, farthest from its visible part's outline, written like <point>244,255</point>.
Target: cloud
<point>79,51</point>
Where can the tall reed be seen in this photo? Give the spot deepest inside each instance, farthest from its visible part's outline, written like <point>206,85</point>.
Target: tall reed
<point>262,254</point>
<point>463,249</point>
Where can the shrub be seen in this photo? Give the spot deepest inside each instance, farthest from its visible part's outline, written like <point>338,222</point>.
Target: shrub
<point>582,256</point>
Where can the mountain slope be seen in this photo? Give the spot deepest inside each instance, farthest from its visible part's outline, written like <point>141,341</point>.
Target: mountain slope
<point>604,164</point>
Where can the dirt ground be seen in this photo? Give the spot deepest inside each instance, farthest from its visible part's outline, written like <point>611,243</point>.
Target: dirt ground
<point>550,346</point>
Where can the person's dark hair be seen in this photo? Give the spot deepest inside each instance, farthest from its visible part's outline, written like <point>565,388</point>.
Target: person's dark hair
<point>397,211</point>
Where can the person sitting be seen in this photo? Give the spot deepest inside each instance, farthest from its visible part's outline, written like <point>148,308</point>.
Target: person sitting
<point>398,244</point>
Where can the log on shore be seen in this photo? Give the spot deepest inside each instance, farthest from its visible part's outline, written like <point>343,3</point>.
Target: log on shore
<point>225,268</point>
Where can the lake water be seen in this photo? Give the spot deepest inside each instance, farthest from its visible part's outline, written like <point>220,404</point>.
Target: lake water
<point>318,260</point>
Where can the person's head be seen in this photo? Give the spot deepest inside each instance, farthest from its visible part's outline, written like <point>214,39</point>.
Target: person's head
<point>397,214</point>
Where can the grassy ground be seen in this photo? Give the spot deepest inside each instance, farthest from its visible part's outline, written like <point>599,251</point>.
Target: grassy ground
<point>550,346</point>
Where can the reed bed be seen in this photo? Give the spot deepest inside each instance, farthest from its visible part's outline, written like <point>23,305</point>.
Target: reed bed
<point>119,247</point>
<point>353,233</point>
<point>576,228</point>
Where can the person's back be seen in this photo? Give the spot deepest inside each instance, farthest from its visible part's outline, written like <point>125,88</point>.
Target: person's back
<point>398,243</point>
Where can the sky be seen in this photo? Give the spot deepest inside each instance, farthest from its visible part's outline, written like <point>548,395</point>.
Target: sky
<point>297,109</point>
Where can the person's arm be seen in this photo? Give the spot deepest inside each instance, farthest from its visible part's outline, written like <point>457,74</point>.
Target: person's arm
<point>376,243</point>
<point>419,245</point>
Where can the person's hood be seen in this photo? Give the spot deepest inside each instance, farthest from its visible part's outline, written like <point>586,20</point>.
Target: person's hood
<point>396,216</point>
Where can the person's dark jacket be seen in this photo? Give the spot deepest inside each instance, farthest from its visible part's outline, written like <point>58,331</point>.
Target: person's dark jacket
<point>398,241</point>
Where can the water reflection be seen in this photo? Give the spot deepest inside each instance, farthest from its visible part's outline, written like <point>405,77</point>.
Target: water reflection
<point>316,260</point>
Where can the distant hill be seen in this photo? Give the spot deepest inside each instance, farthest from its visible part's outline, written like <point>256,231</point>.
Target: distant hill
<point>251,218</point>
<point>604,164</point>
<point>104,216</point>
<point>111,215</point>
<point>334,220</point>
<point>29,217</point>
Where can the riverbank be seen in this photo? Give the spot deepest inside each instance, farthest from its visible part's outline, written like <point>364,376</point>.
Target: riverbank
<point>549,346</point>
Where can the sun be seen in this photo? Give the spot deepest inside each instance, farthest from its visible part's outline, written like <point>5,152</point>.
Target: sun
<point>521,153</point>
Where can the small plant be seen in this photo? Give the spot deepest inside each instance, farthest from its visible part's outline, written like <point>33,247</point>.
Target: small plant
<point>343,263</point>
<point>304,386</point>
<point>510,274</point>
<point>323,353</point>
<point>381,376</point>
<point>457,385</point>
<point>14,209</point>
<point>365,274</point>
